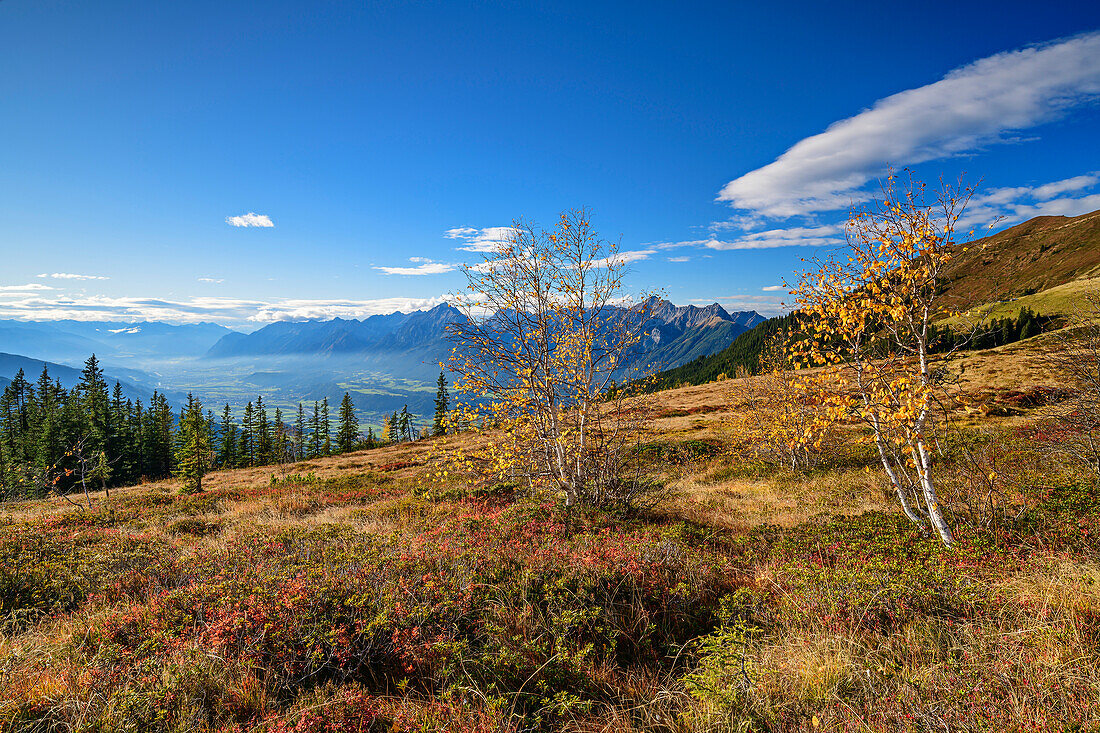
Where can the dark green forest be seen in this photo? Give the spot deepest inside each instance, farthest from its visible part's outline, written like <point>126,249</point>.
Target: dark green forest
<point>60,440</point>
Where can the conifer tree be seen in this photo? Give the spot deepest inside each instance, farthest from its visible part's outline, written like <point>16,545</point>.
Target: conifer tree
<point>348,432</point>
<point>137,430</point>
<point>392,435</point>
<point>93,390</point>
<point>326,428</point>
<point>405,424</point>
<point>439,425</point>
<point>280,439</point>
<point>315,441</point>
<point>264,454</point>
<point>227,457</point>
<point>300,434</point>
<point>160,429</point>
<point>248,436</point>
<point>193,447</point>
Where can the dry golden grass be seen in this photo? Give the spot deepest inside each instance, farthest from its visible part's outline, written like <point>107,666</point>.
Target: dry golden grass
<point>713,492</point>
<point>1040,637</point>
<point>1060,586</point>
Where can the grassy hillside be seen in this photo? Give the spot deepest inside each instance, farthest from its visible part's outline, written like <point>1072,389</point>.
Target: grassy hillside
<point>1046,264</point>
<point>1039,254</point>
<point>359,593</point>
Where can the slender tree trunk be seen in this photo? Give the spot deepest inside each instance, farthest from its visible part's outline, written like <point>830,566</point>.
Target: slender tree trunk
<point>903,499</point>
<point>931,501</point>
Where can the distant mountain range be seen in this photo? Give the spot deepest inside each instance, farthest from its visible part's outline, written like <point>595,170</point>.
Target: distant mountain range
<point>69,377</point>
<point>390,332</point>
<point>412,344</point>
<point>111,342</point>
<point>385,361</point>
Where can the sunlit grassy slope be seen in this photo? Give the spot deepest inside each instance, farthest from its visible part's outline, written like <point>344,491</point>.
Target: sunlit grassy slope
<point>354,593</point>
<point>1039,254</point>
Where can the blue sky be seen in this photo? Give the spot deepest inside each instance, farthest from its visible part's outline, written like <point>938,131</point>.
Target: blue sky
<point>721,141</point>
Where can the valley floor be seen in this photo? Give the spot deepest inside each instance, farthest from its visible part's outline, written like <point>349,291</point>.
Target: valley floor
<point>356,593</point>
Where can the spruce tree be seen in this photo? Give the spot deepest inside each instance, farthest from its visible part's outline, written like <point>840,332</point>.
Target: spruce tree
<point>193,447</point>
<point>93,391</point>
<point>141,450</point>
<point>263,434</point>
<point>405,424</point>
<point>279,438</point>
<point>326,428</point>
<point>315,441</point>
<point>348,432</point>
<point>392,436</point>
<point>300,434</point>
<point>227,456</point>
<point>439,426</point>
<point>160,415</point>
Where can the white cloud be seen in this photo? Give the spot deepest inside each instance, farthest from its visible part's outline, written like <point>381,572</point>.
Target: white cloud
<point>488,239</point>
<point>423,266</point>
<point>250,219</point>
<point>1059,207</point>
<point>461,233</point>
<point>815,236</point>
<point>71,276</point>
<point>302,310</point>
<point>1003,206</point>
<point>972,106</point>
<point>768,305</point>
<point>33,306</point>
<point>773,288</point>
<point>1002,196</point>
<point>1076,183</point>
<point>740,223</point>
<point>679,259</point>
<point>215,280</point>
<point>625,258</point>
<point>24,288</point>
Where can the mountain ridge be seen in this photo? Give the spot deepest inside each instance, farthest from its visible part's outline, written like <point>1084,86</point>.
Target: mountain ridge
<point>674,334</point>
<point>69,376</point>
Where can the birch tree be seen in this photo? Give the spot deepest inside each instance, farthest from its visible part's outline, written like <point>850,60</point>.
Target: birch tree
<point>868,323</point>
<point>547,334</point>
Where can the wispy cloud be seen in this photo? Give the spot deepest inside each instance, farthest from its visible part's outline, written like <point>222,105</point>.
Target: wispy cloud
<point>29,287</point>
<point>625,258</point>
<point>1011,205</point>
<point>815,236</point>
<point>768,305</point>
<point>973,106</point>
<point>421,266</point>
<point>1050,190</point>
<point>773,288</point>
<point>251,219</point>
<point>214,280</point>
<point>301,310</point>
<point>679,259</point>
<point>71,276</point>
<point>27,304</point>
<point>488,239</point>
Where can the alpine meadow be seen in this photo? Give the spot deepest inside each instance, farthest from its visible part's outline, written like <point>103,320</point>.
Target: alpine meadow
<point>508,368</point>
